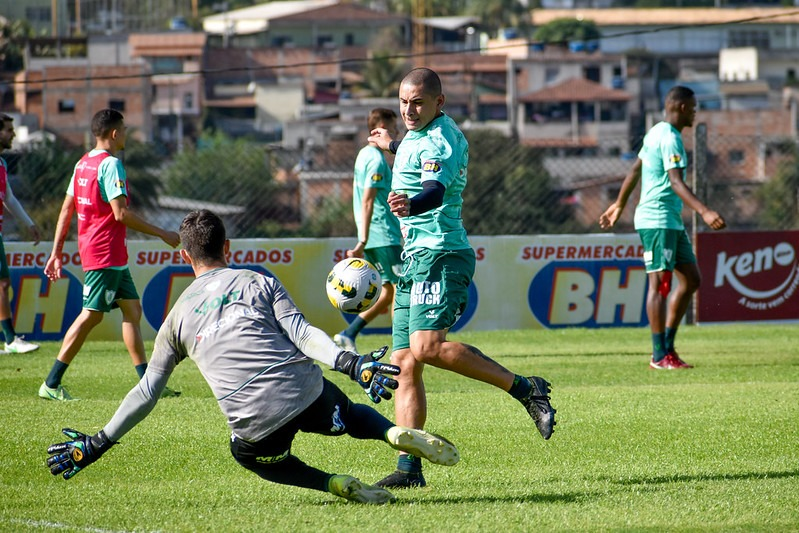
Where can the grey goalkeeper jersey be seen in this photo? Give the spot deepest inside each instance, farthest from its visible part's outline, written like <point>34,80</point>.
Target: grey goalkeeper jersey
<point>251,344</point>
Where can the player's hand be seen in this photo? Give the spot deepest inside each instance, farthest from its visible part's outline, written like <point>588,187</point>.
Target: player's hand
<point>371,375</point>
<point>713,219</point>
<point>611,215</point>
<point>380,137</point>
<point>357,251</point>
<point>399,203</point>
<point>35,234</point>
<point>171,238</point>
<point>76,454</point>
<point>53,268</point>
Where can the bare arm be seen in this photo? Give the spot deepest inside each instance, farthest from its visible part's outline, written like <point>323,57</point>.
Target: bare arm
<point>53,267</point>
<point>711,218</point>
<point>367,210</point>
<point>612,214</point>
<point>19,213</point>
<point>135,222</point>
<point>381,138</point>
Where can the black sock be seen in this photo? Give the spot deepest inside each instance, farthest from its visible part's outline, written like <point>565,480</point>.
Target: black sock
<point>409,463</point>
<point>521,387</point>
<point>8,330</point>
<point>141,369</point>
<point>56,373</point>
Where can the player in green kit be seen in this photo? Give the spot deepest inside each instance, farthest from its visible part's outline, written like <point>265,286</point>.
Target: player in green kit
<point>429,176</point>
<point>379,239</point>
<point>661,167</point>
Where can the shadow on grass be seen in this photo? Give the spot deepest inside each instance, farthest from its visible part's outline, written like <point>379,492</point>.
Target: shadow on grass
<point>705,477</point>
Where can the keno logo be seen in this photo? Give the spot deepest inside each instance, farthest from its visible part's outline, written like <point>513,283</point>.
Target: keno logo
<point>765,278</point>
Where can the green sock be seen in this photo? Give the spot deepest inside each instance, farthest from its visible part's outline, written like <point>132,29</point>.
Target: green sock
<point>355,327</point>
<point>56,373</point>
<point>141,369</point>
<point>670,334</point>
<point>658,346</point>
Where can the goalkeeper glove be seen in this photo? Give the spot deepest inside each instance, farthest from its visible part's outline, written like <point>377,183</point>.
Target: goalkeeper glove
<point>74,455</point>
<point>368,373</point>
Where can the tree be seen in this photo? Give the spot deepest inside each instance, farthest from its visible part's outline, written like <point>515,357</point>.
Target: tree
<point>496,14</point>
<point>562,30</point>
<point>226,171</point>
<point>779,197</point>
<point>509,191</point>
<point>12,34</point>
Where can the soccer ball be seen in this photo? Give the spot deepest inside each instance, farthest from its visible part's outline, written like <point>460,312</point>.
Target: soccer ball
<point>354,285</point>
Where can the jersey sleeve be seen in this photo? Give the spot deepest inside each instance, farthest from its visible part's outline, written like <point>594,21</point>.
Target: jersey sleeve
<point>376,177</point>
<point>672,152</point>
<point>112,178</point>
<point>436,160</point>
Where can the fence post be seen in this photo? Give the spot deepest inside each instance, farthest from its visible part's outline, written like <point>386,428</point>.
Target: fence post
<point>700,190</point>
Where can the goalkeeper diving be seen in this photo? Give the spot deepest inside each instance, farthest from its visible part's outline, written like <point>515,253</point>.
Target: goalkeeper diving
<point>257,352</point>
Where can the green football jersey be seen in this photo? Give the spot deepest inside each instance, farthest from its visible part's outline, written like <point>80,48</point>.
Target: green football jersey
<point>659,206</point>
<point>438,152</point>
<point>372,172</point>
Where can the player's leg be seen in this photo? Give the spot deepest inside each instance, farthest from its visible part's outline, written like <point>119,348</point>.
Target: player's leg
<point>271,457</point>
<point>688,281</point>
<point>386,260</point>
<point>659,247</point>
<point>13,343</point>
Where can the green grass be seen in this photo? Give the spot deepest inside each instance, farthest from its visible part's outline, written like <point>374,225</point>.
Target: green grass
<point>711,449</point>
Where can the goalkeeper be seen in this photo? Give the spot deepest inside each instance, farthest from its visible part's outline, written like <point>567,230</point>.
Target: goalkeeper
<point>256,351</point>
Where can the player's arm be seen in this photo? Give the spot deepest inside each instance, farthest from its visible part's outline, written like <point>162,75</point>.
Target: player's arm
<point>135,222</point>
<point>365,370</point>
<point>612,214</point>
<point>19,213</point>
<point>53,267</point>
<point>711,217</point>
<point>382,139</point>
<point>431,197</point>
<point>70,457</point>
<point>367,210</point>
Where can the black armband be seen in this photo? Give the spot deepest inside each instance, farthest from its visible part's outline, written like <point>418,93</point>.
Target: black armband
<point>432,196</point>
<point>393,146</point>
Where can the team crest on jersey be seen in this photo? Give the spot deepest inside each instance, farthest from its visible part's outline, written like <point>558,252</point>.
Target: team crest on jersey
<point>431,166</point>
<point>676,158</point>
<point>376,178</point>
<point>109,296</point>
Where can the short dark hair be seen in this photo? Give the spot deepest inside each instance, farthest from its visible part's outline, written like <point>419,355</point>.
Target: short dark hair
<point>6,118</point>
<point>679,93</point>
<point>104,121</point>
<point>202,234</point>
<point>426,78</point>
<point>380,115</point>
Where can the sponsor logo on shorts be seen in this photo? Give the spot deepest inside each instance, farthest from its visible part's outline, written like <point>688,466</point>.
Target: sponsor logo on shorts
<point>338,425</point>
<point>266,459</point>
<point>426,293</point>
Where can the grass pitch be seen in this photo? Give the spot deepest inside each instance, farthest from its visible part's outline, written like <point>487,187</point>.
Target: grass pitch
<point>710,449</point>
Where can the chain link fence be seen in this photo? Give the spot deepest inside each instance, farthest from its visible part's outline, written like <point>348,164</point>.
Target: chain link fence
<point>265,191</point>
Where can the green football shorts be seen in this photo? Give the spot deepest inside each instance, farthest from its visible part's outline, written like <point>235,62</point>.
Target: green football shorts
<point>666,248</point>
<point>432,292</point>
<point>102,288</point>
<point>387,260</point>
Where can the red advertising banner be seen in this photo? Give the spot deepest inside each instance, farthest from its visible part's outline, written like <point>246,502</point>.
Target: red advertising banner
<point>748,276</point>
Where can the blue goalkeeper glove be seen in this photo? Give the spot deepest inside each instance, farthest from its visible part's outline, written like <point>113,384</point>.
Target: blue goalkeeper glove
<point>74,455</point>
<point>368,373</point>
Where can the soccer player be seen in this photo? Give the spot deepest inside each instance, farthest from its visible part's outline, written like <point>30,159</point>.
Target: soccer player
<point>14,343</point>
<point>428,180</point>
<point>98,192</point>
<point>661,168</point>
<point>379,238</point>
<point>257,352</point>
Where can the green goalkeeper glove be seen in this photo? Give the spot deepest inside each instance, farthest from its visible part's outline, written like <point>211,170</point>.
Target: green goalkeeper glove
<point>74,455</point>
<point>368,373</point>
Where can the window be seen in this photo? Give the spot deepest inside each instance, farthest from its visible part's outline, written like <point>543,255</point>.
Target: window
<point>118,105</point>
<point>37,14</point>
<point>592,73</point>
<point>551,74</point>
<point>735,157</point>
<point>188,101</point>
<point>349,39</point>
<point>66,106</point>
<point>324,40</point>
<point>166,65</point>
<point>757,38</point>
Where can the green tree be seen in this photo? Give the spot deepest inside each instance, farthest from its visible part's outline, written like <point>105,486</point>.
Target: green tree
<point>563,30</point>
<point>509,192</point>
<point>779,197</point>
<point>228,171</point>
<point>12,36</point>
<point>496,14</point>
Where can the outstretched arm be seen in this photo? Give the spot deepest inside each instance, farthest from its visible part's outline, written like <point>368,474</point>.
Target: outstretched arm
<point>19,213</point>
<point>612,214</point>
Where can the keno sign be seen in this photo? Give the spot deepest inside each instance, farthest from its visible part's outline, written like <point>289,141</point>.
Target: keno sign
<point>748,276</point>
